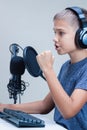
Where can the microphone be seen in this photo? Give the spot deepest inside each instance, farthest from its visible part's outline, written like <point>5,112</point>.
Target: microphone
<point>16,85</point>
<point>17,66</point>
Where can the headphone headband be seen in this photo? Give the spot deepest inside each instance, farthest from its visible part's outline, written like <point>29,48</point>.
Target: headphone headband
<point>81,33</point>
<point>79,13</point>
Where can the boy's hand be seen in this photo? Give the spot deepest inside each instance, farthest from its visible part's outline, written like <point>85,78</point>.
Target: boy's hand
<point>45,60</point>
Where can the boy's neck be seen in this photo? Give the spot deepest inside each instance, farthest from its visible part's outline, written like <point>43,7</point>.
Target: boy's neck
<point>78,56</point>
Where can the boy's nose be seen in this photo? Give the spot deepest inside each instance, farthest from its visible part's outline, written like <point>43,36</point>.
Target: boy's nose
<point>55,39</point>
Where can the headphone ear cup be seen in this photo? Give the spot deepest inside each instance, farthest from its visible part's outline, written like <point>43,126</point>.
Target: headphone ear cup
<point>81,38</point>
<point>84,37</point>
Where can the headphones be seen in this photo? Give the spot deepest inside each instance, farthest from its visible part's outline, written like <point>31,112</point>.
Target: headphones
<point>81,33</point>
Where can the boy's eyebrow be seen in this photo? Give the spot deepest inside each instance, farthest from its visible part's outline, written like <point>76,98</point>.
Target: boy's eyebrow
<point>58,29</point>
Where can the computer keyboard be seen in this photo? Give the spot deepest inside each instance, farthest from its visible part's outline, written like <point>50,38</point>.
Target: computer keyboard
<point>21,119</point>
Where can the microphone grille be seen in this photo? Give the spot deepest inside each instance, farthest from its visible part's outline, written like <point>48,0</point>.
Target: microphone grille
<point>17,66</point>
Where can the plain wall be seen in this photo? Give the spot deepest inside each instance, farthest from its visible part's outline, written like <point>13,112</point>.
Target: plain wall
<point>29,23</point>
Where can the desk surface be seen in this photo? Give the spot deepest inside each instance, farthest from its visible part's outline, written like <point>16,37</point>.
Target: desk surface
<point>4,125</point>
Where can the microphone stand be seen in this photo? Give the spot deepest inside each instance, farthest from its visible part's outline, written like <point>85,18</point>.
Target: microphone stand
<point>15,51</point>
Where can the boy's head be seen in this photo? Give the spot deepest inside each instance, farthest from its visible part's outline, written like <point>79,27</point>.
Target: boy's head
<point>77,18</point>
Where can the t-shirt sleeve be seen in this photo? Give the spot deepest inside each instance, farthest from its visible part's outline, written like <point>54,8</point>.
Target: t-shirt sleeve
<point>81,83</point>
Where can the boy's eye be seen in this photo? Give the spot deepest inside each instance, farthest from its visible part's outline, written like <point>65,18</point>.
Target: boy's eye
<point>61,33</point>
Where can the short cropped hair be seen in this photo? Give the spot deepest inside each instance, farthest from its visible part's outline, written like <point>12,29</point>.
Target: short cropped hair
<point>70,17</point>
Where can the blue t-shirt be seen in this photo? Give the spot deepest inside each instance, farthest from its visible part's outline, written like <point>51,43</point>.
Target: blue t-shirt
<point>73,76</point>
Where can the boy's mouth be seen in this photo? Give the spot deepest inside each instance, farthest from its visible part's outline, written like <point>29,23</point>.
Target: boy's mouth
<point>57,47</point>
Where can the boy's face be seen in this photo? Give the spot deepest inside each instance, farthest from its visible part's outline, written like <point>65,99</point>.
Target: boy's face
<point>64,39</point>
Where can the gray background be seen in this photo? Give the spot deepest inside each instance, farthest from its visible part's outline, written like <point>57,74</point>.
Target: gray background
<point>29,23</point>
